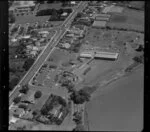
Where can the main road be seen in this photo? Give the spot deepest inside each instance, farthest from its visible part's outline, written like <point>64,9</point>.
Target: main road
<point>46,52</point>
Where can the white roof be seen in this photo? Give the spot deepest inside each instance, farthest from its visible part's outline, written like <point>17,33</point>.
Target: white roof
<point>99,23</point>
<point>66,45</point>
<point>26,36</point>
<point>42,32</point>
<point>72,2</point>
<point>13,120</point>
<point>64,14</point>
<point>35,48</point>
<point>13,40</point>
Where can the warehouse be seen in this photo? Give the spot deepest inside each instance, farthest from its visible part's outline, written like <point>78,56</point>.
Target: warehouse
<point>100,55</point>
<point>106,55</point>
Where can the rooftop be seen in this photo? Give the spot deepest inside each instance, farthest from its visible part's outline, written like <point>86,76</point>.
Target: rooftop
<point>99,24</point>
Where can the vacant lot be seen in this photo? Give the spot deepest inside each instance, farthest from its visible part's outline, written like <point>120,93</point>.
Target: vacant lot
<point>46,76</point>
<point>129,19</point>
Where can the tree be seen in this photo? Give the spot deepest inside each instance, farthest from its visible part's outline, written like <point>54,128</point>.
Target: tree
<point>62,101</point>
<point>138,59</point>
<point>17,100</point>
<point>37,94</point>
<point>24,89</point>
<point>11,17</point>
<point>28,63</point>
<point>36,113</point>
<point>77,117</point>
<point>13,83</point>
<point>79,97</point>
<point>140,48</point>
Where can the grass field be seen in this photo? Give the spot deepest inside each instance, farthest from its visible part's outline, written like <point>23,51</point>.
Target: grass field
<point>50,6</point>
<point>129,19</point>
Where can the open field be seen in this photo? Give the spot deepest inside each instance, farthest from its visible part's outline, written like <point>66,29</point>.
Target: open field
<point>129,19</point>
<point>119,106</point>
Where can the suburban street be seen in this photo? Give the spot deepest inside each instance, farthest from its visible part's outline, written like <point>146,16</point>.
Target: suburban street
<point>46,52</point>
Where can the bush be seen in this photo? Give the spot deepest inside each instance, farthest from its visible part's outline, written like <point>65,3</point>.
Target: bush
<point>28,63</point>
<point>38,94</point>
<point>17,100</point>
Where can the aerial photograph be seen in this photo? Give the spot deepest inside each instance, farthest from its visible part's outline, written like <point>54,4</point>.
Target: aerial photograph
<point>76,65</point>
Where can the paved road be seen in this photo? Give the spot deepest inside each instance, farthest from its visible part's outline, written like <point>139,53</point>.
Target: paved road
<point>47,52</point>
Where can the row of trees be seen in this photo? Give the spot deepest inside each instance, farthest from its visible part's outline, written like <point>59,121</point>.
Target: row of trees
<point>139,59</point>
<point>53,12</point>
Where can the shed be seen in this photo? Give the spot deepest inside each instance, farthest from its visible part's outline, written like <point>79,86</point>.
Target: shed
<point>99,24</point>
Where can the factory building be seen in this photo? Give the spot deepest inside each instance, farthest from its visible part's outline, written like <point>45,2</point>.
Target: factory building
<point>100,55</point>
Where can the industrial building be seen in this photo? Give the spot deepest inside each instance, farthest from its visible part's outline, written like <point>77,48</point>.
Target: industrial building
<point>99,55</point>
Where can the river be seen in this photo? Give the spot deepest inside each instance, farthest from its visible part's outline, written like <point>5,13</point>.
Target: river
<point>119,107</point>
